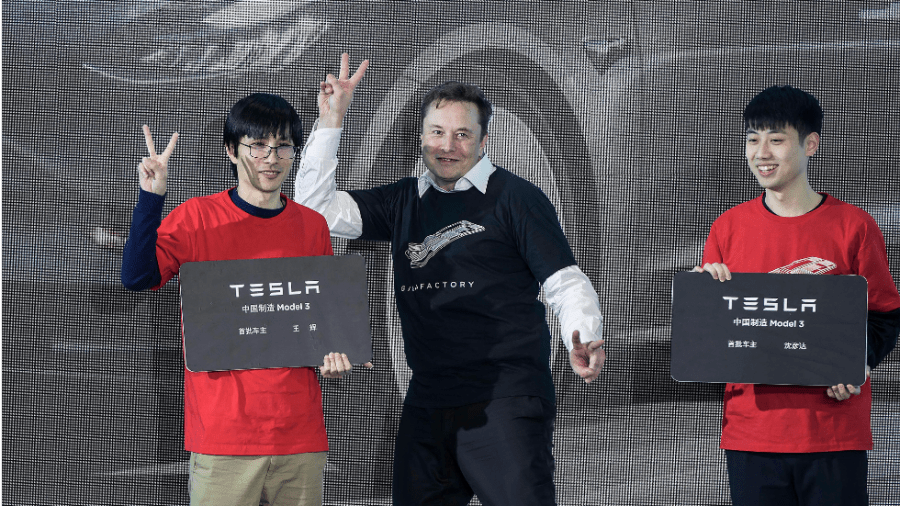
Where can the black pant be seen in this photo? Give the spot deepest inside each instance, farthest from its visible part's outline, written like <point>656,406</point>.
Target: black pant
<point>798,479</point>
<point>500,450</point>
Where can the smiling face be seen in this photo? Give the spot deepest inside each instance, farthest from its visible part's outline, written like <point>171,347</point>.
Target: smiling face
<point>260,179</point>
<point>779,158</point>
<point>452,141</point>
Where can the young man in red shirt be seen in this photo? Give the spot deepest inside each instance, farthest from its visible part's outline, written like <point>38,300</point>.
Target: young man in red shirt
<point>254,435</point>
<point>793,445</point>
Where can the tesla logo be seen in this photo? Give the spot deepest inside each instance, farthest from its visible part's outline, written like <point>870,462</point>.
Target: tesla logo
<point>276,289</point>
<point>770,304</point>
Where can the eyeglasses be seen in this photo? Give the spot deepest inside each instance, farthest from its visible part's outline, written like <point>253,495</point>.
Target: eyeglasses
<point>263,151</point>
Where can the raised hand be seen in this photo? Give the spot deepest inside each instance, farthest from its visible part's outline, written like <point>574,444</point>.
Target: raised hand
<point>336,93</point>
<point>153,171</point>
<point>587,359</point>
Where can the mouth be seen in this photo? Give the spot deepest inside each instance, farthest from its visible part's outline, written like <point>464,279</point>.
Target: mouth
<point>270,174</point>
<point>766,170</point>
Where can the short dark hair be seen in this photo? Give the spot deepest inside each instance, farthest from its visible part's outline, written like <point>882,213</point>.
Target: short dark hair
<point>780,106</point>
<point>455,91</point>
<point>259,116</point>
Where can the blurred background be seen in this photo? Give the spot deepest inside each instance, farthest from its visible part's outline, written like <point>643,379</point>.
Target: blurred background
<point>627,115</point>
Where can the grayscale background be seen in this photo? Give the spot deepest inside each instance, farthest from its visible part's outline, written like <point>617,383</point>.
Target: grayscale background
<point>626,114</point>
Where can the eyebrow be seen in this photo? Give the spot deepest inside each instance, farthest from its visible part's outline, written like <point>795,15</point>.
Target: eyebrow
<point>750,131</point>
<point>284,142</point>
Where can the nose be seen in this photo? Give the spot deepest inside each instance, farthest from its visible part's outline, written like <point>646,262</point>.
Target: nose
<point>272,156</point>
<point>763,151</point>
<point>446,143</point>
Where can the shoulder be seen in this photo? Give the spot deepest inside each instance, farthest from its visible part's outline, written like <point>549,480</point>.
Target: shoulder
<point>844,209</point>
<point>516,188</point>
<point>403,189</point>
<point>742,211</point>
<point>201,204</point>
<point>301,212</point>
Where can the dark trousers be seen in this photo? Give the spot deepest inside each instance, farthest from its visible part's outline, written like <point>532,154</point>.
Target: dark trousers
<point>500,450</point>
<point>798,479</point>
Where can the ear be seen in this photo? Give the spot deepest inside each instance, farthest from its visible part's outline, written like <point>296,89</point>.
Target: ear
<point>229,150</point>
<point>811,144</point>
<point>483,145</point>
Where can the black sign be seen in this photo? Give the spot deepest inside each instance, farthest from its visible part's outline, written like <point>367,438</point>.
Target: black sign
<point>277,312</point>
<point>776,329</point>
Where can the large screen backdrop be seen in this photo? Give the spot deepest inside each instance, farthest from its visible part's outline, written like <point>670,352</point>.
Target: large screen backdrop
<point>626,114</point>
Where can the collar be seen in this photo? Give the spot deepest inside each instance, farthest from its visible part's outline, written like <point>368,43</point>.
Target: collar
<point>477,177</point>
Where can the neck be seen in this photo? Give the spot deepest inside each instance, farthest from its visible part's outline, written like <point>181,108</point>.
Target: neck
<point>792,203</point>
<point>262,200</point>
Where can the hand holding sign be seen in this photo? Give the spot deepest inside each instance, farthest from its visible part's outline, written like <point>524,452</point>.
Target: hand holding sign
<point>337,365</point>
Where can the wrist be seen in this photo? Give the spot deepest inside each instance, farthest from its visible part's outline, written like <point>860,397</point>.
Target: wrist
<point>329,121</point>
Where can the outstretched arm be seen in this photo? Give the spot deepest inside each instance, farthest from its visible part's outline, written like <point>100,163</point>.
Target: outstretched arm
<point>572,297</point>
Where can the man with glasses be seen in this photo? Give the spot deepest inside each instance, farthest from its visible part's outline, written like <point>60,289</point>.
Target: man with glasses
<point>254,435</point>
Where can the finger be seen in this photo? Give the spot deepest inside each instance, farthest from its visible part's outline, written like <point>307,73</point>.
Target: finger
<point>830,392</point>
<point>150,166</point>
<point>144,173</point>
<point>724,272</point>
<point>344,365</point>
<point>149,140</point>
<point>333,363</point>
<point>853,390</point>
<point>598,358</point>
<point>576,339</point>
<point>327,366</point>
<point>593,345</point>
<point>326,88</point>
<point>840,392</point>
<point>360,72</point>
<point>170,147</point>
<point>368,365</point>
<point>697,269</point>
<point>345,66</point>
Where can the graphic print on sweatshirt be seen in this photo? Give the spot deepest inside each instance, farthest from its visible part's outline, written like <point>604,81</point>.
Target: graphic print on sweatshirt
<point>808,265</point>
<point>420,253</point>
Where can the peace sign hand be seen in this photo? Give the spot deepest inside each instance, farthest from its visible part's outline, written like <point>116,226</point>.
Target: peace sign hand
<point>154,169</point>
<point>336,93</point>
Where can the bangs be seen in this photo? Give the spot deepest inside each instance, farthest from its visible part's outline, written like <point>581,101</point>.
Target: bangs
<point>261,116</point>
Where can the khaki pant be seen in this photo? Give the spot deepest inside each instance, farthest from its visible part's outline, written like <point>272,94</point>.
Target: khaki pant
<point>237,480</point>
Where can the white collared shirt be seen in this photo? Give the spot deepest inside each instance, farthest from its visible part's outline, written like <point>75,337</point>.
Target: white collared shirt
<point>477,178</point>
<point>568,291</point>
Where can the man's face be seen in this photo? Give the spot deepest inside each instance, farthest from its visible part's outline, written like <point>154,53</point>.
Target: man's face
<point>260,176</point>
<point>451,141</point>
<point>778,157</point>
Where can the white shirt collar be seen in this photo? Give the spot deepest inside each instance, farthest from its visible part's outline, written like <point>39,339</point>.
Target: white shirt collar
<point>476,177</point>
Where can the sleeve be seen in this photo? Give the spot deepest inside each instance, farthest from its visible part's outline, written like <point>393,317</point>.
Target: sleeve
<point>872,263</point>
<point>540,238</point>
<point>315,185</point>
<point>140,268</point>
<point>711,250</point>
<point>574,300</point>
<point>883,323</point>
<point>378,208</point>
<point>882,331</point>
